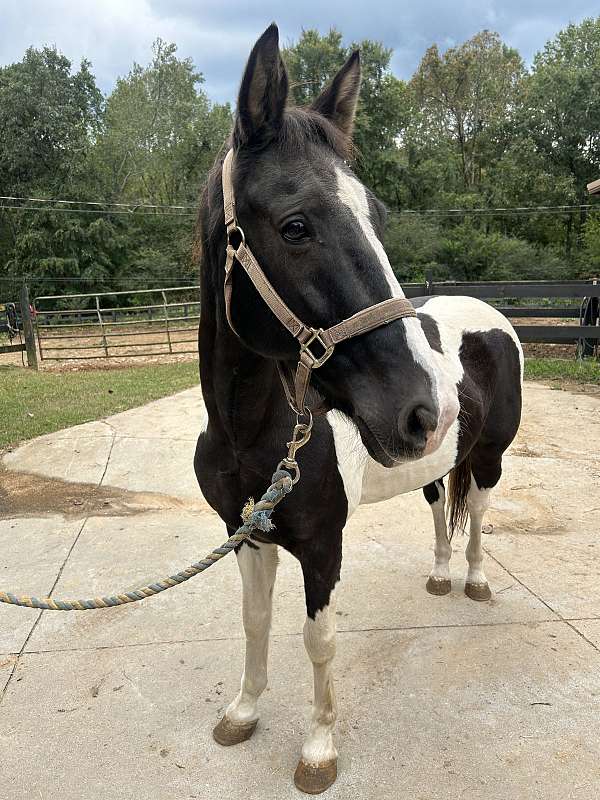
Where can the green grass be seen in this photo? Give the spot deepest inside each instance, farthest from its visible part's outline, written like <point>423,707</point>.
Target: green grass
<point>33,403</point>
<point>562,369</point>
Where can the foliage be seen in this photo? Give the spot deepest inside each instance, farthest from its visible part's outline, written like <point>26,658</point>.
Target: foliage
<point>314,60</point>
<point>472,129</point>
<point>465,98</point>
<point>590,255</point>
<point>160,132</point>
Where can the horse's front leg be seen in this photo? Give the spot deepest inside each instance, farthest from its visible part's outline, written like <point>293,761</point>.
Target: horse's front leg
<point>258,565</point>
<point>317,768</point>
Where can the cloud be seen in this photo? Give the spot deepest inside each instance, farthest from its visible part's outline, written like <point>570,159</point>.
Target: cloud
<point>218,36</point>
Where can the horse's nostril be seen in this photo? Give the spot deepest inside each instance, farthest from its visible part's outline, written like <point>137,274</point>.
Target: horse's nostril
<point>420,420</point>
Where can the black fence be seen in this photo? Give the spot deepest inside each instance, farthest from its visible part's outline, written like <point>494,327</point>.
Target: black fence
<point>577,300</point>
<point>16,322</point>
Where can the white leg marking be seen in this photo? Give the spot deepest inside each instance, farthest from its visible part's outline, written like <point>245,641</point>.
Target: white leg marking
<point>258,569</point>
<point>477,503</point>
<point>442,550</point>
<point>319,639</point>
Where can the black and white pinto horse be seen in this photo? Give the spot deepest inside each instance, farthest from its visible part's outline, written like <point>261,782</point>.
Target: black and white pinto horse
<point>404,405</point>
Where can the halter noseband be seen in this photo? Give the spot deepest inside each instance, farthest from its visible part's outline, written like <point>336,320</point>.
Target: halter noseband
<point>361,322</point>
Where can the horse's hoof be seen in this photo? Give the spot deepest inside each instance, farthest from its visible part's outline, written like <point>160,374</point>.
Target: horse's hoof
<point>478,591</point>
<point>315,778</point>
<point>228,733</point>
<point>438,586</point>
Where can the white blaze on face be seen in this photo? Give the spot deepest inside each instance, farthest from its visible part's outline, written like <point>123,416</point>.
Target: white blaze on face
<point>353,195</point>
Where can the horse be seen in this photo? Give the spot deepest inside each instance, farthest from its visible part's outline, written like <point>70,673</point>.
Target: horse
<point>415,398</point>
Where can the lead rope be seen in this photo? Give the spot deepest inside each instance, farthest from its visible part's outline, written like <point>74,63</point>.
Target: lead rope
<point>256,519</point>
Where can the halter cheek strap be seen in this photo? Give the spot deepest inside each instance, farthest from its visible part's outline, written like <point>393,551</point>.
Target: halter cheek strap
<point>316,344</point>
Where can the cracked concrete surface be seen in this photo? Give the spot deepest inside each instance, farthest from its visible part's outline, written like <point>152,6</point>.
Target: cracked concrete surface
<point>439,697</point>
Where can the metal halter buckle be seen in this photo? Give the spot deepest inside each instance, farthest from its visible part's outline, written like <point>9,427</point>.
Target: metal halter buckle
<point>317,361</point>
<point>300,436</point>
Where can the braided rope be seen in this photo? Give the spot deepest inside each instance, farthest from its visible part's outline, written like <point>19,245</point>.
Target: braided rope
<point>256,516</point>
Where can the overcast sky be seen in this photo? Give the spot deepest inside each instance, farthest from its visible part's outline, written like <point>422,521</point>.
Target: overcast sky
<point>217,34</point>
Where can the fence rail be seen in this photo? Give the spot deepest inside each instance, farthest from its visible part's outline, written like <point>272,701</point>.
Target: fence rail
<point>494,291</point>
<point>164,322</point>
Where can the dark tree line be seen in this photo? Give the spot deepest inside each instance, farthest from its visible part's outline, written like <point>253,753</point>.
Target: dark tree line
<point>472,129</point>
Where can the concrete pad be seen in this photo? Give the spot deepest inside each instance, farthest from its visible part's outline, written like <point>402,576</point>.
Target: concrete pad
<point>87,430</point>
<point>73,458</point>
<point>180,416</point>
<point>381,561</point>
<point>7,663</point>
<point>424,714</point>
<point>590,628</point>
<point>572,420</point>
<point>440,697</point>
<point>546,518</point>
<point>151,465</point>
<point>33,551</point>
<point>80,453</point>
<point>387,558</point>
<point>115,554</point>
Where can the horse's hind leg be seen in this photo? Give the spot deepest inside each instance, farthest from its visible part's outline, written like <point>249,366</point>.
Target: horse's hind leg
<point>438,582</point>
<point>486,468</point>
<point>258,566</point>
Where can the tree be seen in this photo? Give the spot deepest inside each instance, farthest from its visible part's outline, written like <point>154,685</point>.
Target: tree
<point>160,132</point>
<point>313,61</point>
<point>466,96</point>
<point>48,117</point>
<point>561,112</point>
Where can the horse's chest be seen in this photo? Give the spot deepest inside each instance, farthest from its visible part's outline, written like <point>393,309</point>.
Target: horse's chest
<point>366,481</point>
<point>380,483</point>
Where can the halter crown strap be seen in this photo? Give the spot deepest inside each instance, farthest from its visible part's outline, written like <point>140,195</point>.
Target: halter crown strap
<point>326,340</point>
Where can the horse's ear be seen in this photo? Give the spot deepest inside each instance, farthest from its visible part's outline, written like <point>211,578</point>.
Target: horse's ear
<point>263,91</point>
<point>338,101</point>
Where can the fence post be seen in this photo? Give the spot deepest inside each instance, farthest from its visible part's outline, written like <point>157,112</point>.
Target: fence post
<point>28,329</point>
<point>429,282</point>
<point>101,323</point>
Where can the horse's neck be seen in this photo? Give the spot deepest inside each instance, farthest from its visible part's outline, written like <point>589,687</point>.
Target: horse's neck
<point>237,385</point>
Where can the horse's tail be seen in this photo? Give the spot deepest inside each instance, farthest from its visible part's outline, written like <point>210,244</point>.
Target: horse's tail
<point>459,483</point>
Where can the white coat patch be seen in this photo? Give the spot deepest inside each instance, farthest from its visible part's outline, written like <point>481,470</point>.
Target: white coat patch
<point>366,481</point>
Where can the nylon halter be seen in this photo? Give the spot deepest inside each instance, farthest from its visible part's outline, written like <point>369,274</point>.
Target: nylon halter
<point>363,321</point>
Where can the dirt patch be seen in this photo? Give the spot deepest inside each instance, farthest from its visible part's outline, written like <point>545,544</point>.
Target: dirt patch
<point>24,494</point>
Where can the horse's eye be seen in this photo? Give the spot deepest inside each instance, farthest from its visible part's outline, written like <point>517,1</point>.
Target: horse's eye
<point>294,231</point>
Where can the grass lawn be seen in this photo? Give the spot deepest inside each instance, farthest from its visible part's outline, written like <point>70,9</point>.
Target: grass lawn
<point>565,371</point>
<point>33,403</point>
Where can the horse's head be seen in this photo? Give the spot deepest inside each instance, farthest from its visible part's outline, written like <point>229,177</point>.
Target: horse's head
<point>316,232</point>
